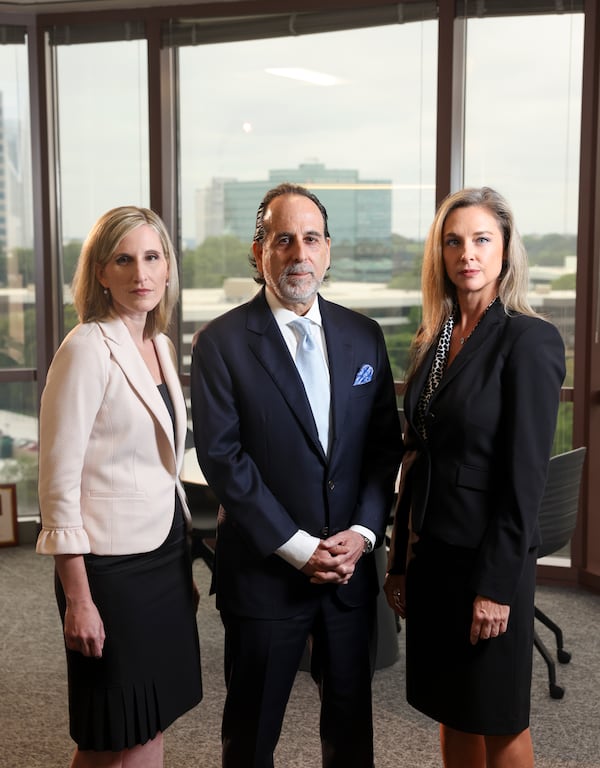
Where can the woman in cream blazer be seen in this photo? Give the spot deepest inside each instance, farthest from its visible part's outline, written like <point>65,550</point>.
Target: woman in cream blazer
<point>101,465</point>
<point>114,516</point>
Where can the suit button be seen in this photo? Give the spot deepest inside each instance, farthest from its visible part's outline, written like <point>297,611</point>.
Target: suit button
<point>324,532</point>
<point>331,485</point>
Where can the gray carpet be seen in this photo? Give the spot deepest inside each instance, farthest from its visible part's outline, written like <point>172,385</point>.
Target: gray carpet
<point>33,708</point>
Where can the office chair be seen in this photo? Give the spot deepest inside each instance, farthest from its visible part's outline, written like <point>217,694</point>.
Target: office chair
<point>204,507</point>
<point>557,518</point>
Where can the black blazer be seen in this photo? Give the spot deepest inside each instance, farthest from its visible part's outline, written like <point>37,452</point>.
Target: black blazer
<point>258,447</point>
<point>478,480</point>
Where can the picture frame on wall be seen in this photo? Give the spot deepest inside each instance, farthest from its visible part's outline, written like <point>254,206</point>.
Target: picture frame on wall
<point>9,533</point>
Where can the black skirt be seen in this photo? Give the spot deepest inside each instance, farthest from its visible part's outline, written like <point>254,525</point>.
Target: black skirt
<point>149,673</point>
<point>484,688</point>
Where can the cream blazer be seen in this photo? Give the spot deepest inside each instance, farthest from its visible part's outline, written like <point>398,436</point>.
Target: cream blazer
<point>109,463</point>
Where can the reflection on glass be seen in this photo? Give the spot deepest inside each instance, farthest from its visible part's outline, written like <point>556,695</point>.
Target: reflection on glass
<point>17,292</point>
<point>103,138</point>
<point>355,123</point>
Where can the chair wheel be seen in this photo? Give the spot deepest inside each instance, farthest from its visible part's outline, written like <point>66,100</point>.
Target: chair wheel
<point>563,656</point>
<point>556,691</point>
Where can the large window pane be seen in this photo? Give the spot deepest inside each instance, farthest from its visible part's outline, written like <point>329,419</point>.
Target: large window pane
<point>18,398</point>
<point>349,114</point>
<point>103,137</point>
<point>522,138</point>
<point>17,293</point>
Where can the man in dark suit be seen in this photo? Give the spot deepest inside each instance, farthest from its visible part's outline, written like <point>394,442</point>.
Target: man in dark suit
<point>302,506</point>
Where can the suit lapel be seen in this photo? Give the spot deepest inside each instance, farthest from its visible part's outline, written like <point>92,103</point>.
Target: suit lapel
<point>490,325</point>
<point>128,358</point>
<point>269,347</point>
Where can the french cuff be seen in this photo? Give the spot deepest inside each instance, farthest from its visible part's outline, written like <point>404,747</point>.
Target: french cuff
<point>298,550</point>
<point>367,534</point>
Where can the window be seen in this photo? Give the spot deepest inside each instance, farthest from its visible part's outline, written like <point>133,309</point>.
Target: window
<point>18,401</point>
<point>349,114</point>
<point>522,138</point>
<point>523,111</point>
<point>103,136</point>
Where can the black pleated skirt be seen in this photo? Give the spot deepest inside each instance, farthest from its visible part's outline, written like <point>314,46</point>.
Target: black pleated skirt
<point>149,673</point>
<point>484,688</point>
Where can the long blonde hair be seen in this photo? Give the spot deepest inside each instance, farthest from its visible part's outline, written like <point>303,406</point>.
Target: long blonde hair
<point>439,294</point>
<point>89,298</point>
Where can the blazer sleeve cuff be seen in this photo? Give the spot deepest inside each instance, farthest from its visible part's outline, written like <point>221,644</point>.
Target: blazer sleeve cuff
<point>63,541</point>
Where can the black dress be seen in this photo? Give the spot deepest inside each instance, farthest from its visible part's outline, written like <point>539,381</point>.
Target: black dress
<point>149,673</point>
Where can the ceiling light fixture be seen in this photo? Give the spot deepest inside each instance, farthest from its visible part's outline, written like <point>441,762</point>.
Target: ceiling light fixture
<point>305,75</point>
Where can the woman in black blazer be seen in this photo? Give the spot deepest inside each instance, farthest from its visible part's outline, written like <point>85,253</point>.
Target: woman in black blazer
<point>481,404</point>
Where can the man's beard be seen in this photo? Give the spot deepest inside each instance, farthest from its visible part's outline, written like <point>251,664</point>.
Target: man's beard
<point>295,291</point>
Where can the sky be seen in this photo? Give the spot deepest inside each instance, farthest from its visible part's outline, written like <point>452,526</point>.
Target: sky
<point>238,120</point>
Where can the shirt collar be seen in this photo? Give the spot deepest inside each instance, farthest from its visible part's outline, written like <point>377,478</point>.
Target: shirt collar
<point>283,316</point>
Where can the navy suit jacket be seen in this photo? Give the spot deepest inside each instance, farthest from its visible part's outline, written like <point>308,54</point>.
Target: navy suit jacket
<point>258,447</point>
<point>478,480</point>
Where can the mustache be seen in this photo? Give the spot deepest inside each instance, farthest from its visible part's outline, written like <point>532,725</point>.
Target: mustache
<point>298,269</point>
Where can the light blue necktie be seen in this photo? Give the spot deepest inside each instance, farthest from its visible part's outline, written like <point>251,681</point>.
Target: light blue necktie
<point>313,371</point>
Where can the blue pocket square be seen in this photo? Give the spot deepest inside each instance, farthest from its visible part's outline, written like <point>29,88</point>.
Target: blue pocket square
<point>364,375</point>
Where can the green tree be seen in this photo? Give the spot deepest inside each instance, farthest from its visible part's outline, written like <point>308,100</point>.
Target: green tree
<point>407,258</point>
<point>216,259</point>
<point>71,251</point>
<point>551,249</point>
<point>564,283</point>
<point>25,265</point>
<point>407,281</point>
<point>398,343</point>
<point>70,318</point>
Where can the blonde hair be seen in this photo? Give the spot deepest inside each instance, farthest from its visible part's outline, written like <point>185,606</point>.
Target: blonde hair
<point>439,294</point>
<point>89,297</point>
